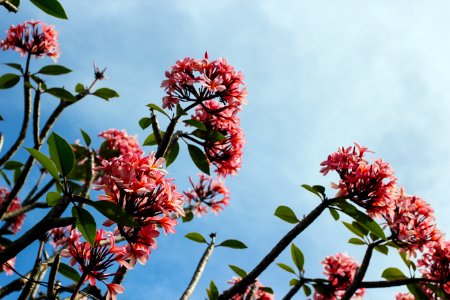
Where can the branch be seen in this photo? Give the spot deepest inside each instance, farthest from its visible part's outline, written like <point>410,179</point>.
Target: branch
<point>27,290</point>
<point>33,198</point>
<point>199,270</point>
<point>396,282</point>
<point>294,290</point>
<point>9,6</point>
<point>36,115</point>
<point>273,254</point>
<point>155,126</point>
<point>23,210</point>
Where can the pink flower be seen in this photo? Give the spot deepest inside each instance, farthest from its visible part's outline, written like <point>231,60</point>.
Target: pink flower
<point>16,222</point>
<point>7,267</point>
<point>340,270</point>
<point>435,264</point>
<point>32,37</point>
<point>119,141</point>
<point>254,292</point>
<point>207,193</point>
<point>404,296</point>
<point>59,235</point>
<point>113,290</point>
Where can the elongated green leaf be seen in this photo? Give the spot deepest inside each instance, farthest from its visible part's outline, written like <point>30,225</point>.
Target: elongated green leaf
<point>196,124</point>
<point>286,268</point>
<point>392,274</point>
<point>199,158</point>
<point>115,213</point>
<point>69,272</point>
<point>286,214</point>
<point>45,162</point>
<point>106,93</point>
<point>180,111</point>
<point>86,137</point>
<point>85,223</point>
<point>234,244</point>
<point>383,249</point>
<point>210,135</point>
<point>62,94</point>
<point>53,198</point>
<point>15,66</point>
<point>307,290</point>
<point>150,140</point>
<point>356,241</point>
<point>8,182</point>
<point>334,214</point>
<point>196,237</point>
<point>54,70</point>
<point>51,7</point>
<point>310,189</point>
<point>213,292</point>
<point>239,272</point>
<point>12,165</point>
<point>61,153</point>
<point>8,81</point>
<point>172,154</point>
<point>297,257</point>
<point>157,108</point>
<point>294,281</point>
<point>353,229</point>
<point>267,289</point>
<point>145,122</point>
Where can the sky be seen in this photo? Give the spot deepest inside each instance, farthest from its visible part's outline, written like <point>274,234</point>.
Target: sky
<point>320,75</point>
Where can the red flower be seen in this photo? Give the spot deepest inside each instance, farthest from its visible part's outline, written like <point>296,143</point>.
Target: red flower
<point>435,264</point>
<point>32,37</point>
<point>120,141</point>
<point>16,222</point>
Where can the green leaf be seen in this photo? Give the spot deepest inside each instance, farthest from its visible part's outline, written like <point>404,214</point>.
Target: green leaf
<point>106,93</point>
<point>418,293</point>
<point>356,241</point>
<point>188,217</point>
<point>286,268</point>
<point>392,274</point>
<point>180,111</point>
<point>53,198</point>
<point>16,3</point>
<point>266,289</point>
<point>307,290</point>
<point>234,244</point>
<point>62,94</point>
<point>45,162</point>
<point>150,140</point>
<point>17,173</point>
<point>383,249</point>
<point>353,229</point>
<point>79,88</point>
<point>157,108</point>
<point>320,189</point>
<point>196,124</point>
<point>8,182</point>
<point>86,137</point>
<point>8,81</point>
<point>210,135</point>
<point>199,158</point>
<point>61,153</point>
<point>54,70</point>
<point>51,7</point>
<point>310,189</point>
<point>1,118</point>
<point>85,223</point>
<point>239,272</point>
<point>145,122</point>
<point>334,213</point>
<point>359,227</point>
<point>286,214</point>
<point>196,237</point>
<point>12,165</point>
<point>297,257</point>
<point>15,66</point>
<point>213,292</point>
<point>172,154</point>
<point>294,281</point>
<point>69,272</point>
<point>115,213</point>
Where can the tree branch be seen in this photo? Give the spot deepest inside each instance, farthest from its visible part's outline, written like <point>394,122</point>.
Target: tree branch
<point>9,6</point>
<point>294,290</point>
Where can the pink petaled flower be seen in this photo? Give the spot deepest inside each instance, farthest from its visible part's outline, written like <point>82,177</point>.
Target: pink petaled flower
<point>225,154</point>
<point>16,222</point>
<point>139,185</point>
<point>94,260</point>
<point>113,290</point>
<point>207,193</point>
<point>369,185</point>
<point>7,267</point>
<point>254,292</point>
<point>58,236</point>
<point>412,222</point>
<point>404,296</point>
<point>340,270</point>
<point>32,37</point>
<point>200,79</point>
<point>435,264</point>
<point>119,141</point>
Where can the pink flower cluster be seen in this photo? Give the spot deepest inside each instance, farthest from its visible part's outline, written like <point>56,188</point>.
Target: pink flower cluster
<point>404,296</point>
<point>340,270</point>
<point>7,267</point>
<point>435,264</point>
<point>206,193</point>
<point>225,154</point>
<point>253,292</point>
<point>58,236</point>
<point>120,141</point>
<point>93,261</point>
<point>34,38</point>
<point>16,222</point>
<point>205,80</point>
<point>138,185</point>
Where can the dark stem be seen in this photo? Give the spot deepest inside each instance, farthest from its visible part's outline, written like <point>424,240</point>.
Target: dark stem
<point>155,126</point>
<point>9,6</point>
<point>35,197</point>
<point>273,254</point>
<point>52,279</point>
<point>79,285</point>
<point>294,290</point>
<point>27,290</point>
<point>23,210</point>
<point>163,146</point>
<point>396,282</point>
<point>35,187</point>
<point>200,268</point>
<point>36,115</point>
<point>355,285</point>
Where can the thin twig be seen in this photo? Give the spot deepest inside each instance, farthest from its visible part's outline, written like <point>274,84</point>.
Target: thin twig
<point>294,290</point>
<point>155,126</point>
<point>39,194</point>
<point>35,187</point>
<point>36,115</point>
<point>200,268</point>
<point>23,210</point>
<point>26,291</point>
<point>9,6</point>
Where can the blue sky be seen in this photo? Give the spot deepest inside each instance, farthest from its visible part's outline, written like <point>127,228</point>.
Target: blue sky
<point>320,74</point>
